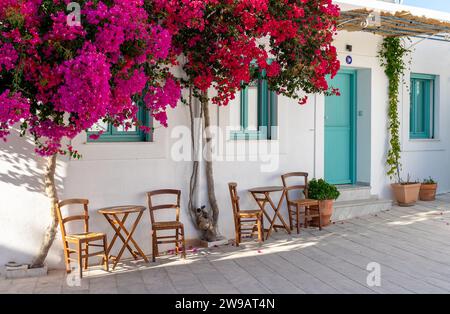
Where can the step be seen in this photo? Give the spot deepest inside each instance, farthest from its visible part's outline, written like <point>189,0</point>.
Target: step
<point>353,192</point>
<point>344,210</point>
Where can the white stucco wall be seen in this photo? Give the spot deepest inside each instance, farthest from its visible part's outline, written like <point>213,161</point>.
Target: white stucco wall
<point>424,158</point>
<point>120,173</point>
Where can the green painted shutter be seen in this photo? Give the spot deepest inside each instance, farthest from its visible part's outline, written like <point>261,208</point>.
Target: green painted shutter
<point>422,106</point>
<point>266,113</point>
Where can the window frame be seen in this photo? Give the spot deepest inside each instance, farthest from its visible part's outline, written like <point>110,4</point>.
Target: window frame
<point>112,135</point>
<point>267,105</point>
<point>429,103</point>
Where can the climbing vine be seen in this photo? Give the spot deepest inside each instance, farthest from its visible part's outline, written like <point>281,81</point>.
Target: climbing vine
<point>392,57</point>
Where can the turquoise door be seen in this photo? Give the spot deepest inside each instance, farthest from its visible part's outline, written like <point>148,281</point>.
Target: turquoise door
<point>340,130</point>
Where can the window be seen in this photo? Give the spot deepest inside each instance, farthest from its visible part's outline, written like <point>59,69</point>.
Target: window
<point>258,112</point>
<point>422,106</point>
<point>113,134</point>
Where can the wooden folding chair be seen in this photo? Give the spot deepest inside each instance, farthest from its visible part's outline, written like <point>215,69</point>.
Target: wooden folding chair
<point>310,206</point>
<point>246,222</point>
<point>176,225</point>
<point>82,241</point>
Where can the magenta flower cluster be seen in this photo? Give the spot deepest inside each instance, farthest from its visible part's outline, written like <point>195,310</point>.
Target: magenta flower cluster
<point>8,56</point>
<point>13,108</point>
<point>59,79</point>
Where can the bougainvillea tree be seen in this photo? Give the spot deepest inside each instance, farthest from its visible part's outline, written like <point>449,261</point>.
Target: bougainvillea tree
<point>226,44</point>
<point>58,77</point>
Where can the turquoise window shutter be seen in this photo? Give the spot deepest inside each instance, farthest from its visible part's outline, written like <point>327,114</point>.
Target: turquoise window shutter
<point>422,106</point>
<point>266,115</point>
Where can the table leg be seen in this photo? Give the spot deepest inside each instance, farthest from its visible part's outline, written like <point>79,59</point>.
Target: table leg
<point>128,239</point>
<point>118,233</point>
<point>272,221</point>
<point>262,206</point>
<point>122,227</point>
<point>277,214</point>
<point>277,211</point>
<point>130,235</point>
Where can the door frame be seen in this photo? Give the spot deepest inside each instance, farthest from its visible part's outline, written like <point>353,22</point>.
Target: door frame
<point>353,124</point>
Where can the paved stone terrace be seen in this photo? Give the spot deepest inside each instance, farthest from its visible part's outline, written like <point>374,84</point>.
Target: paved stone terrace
<point>412,245</point>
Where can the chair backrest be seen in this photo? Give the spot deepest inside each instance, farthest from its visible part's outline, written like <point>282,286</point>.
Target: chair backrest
<point>298,176</point>
<point>153,205</point>
<point>84,216</point>
<point>232,186</point>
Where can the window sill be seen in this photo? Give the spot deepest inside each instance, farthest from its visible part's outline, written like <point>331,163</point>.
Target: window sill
<point>423,145</point>
<point>253,140</point>
<point>424,140</point>
<point>91,151</point>
<point>94,143</point>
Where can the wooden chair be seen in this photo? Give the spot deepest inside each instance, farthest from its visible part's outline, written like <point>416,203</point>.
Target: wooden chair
<point>82,241</point>
<point>246,222</point>
<point>310,206</point>
<point>176,225</point>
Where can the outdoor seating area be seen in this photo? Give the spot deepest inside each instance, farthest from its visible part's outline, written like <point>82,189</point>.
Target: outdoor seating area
<point>413,254</point>
<point>248,223</point>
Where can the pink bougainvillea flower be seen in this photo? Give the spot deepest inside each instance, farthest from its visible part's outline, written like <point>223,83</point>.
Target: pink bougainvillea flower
<point>221,49</point>
<point>8,56</point>
<point>13,108</point>
<point>75,75</point>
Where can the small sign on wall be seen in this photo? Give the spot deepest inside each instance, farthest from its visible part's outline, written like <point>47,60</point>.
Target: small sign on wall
<point>349,60</point>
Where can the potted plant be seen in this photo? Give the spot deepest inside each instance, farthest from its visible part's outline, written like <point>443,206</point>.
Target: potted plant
<point>406,192</point>
<point>326,193</point>
<point>428,190</point>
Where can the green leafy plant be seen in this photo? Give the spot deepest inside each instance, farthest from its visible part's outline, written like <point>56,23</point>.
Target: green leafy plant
<point>408,181</point>
<point>430,180</point>
<point>321,190</point>
<point>392,55</point>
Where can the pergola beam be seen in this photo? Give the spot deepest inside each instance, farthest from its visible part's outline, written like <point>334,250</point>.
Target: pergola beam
<point>398,24</point>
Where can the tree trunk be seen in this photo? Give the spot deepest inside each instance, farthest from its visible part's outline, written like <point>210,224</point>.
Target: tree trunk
<point>208,163</point>
<point>52,194</point>
<point>193,186</point>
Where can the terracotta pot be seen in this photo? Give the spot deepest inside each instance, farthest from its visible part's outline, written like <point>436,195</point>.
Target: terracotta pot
<point>428,192</point>
<point>326,211</point>
<point>406,194</point>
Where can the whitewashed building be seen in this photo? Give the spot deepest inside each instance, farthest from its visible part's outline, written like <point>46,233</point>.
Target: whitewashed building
<point>120,171</point>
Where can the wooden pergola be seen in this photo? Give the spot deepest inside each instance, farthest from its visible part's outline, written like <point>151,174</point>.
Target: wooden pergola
<point>398,24</point>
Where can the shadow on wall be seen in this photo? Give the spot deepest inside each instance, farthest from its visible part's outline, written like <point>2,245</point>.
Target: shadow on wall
<point>24,207</point>
<point>21,166</point>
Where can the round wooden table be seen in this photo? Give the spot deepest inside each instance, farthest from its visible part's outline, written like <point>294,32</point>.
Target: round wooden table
<point>117,216</point>
<point>262,197</point>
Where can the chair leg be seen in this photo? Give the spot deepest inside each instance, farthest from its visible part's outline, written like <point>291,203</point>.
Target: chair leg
<point>298,218</point>
<point>86,259</point>
<point>240,233</point>
<point>66,257</point>
<point>183,242</point>
<point>237,231</point>
<point>307,213</point>
<point>290,218</point>
<point>154,246</point>
<point>177,243</point>
<point>80,260</point>
<point>262,227</point>
<point>105,249</point>
<point>260,235</point>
